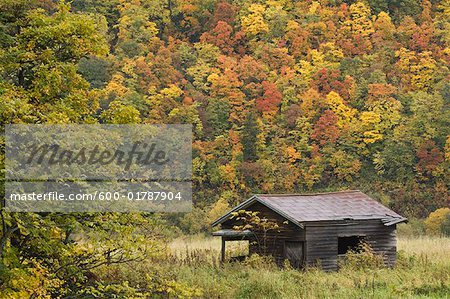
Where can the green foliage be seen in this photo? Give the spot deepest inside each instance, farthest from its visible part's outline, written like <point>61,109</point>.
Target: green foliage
<point>262,262</point>
<point>414,228</point>
<point>362,258</point>
<point>95,70</point>
<point>249,138</point>
<point>217,114</point>
<point>61,260</point>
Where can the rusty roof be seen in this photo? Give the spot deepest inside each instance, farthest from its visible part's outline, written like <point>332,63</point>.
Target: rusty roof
<point>332,206</point>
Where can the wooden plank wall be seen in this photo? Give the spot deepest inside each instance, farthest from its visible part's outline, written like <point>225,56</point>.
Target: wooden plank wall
<point>322,240</point>
<point>275,239</point>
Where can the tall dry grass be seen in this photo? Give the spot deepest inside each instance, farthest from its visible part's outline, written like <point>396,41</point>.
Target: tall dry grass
<point>437,248</point>
<point>422,271</point>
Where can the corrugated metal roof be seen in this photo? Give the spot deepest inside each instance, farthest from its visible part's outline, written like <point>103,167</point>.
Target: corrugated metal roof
<point>300,208</point>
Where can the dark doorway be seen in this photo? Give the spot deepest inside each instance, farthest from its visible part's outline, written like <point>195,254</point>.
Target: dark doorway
<point>349,243</point>
<point>293,252</point>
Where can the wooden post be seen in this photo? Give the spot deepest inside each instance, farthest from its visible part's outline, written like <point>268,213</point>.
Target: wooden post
<point>222,252</point>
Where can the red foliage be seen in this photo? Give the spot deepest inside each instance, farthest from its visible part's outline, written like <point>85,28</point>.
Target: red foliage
<point>271,98</point>
<point>251,70</point>
<point>188,100</point>
<point>298,42</point>
<point>325,129</point>
<point>429,157</point>
<point>145,76</point>
<point>292,114</point>
<point>355,45</point>
<point>224,12</point>
<point>379,90</point>
<point>421,38</point>
<point>330,80</point>
<point>220,36</point>
<point>276,58</point>
<point>162,67</point>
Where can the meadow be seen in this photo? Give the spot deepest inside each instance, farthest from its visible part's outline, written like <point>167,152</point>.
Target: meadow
<point>422,271</point>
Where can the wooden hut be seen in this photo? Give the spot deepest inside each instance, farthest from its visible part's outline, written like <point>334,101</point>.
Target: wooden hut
<point>313,229</point>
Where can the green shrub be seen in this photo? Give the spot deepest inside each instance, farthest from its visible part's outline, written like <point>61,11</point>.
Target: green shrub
<point>362,258</point>
<point>256,261</point>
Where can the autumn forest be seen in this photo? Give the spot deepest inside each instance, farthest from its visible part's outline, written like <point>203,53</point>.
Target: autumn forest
<point>284,97</point>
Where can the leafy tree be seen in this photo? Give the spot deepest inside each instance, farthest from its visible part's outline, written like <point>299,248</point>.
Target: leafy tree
<point>119,113</point>
<point>254,23</point>
<point>249,138</point>
<point>260,226</point>
<point>217,114</point>
<point>436,221</point>
<point>95,70</point>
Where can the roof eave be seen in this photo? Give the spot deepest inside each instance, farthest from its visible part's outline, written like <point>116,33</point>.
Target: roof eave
<point>250,201</point>
<point>242,205</point>
<point>395,221</point>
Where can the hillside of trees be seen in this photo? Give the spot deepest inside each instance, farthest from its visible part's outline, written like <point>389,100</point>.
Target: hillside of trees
<point>284,97</point>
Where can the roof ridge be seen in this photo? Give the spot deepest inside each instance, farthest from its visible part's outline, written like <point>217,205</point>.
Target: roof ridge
<point>306,194</point>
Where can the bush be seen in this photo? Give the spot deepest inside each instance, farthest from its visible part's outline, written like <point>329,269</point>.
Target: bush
<point>437,221</point>
<point>257,261</point>
<point>362,258</point>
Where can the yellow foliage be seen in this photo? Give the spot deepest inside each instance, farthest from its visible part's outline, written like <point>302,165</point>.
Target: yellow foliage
<point>345,113</point>
<point>447,148</point>
<point>292,25</point>
<point>435,220</point>
<point>172,92</point>
<point>345,166</point>
<point>218,209</point>
<point>384,25</point>
<point>228,174</point>
<point>443,21</point>
<point>291,154</point>
<point>369,119</point>
<point>418,69</point>
<point>360,22</point>
<point>306,70</point>
<point>116,85</point>
<point>317,58</point>
<point>254,23</point>
<point>315,6</point>
<point>423,71</point>
<point>119,113</point>
<point>332,54</point>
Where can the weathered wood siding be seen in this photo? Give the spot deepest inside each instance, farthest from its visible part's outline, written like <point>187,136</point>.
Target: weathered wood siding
<point>275,238</point>
<point>322,240</point>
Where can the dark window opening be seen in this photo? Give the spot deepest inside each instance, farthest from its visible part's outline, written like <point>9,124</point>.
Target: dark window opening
<point>346,244</point>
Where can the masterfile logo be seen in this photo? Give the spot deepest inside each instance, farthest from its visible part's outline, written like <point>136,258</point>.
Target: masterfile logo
<point>98,167</point>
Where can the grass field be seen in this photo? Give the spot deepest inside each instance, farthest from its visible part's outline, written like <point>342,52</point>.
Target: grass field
<point>422,271</point>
